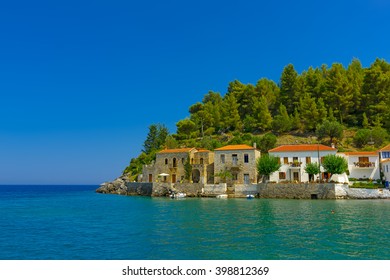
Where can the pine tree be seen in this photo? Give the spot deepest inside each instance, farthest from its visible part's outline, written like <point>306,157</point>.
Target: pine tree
<point>365,123</point>
<point>322,113</point>
<point>263,116</point>
<point>231,117</point>
<point>288,84</point>
<point>309,113</point>
<point>338,93</point>
<point>282,122</point>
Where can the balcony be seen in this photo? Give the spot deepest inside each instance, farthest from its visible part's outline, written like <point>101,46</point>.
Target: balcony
<point>295,164</point>
<point>361,164</point>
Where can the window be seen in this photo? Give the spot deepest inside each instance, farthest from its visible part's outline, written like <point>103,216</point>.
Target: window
<point>363,159</point>
<point>285,160</point>
<point>295,159</point>
<point>201,160</point>
<point>282,175</point>
<point>222,158</point>
<point>322,159</point>
<point>279,160</point>
<point>235,176</point>
<point>387,168</point>
<point>308,160</point>
<point>246,158</point>
<point>385,154</point>
<point>182,160</point>
<point>174,162</point>
<point>234,159</point>
<point>166,161</point>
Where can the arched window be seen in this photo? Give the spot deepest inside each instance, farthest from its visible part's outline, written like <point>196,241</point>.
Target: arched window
<point>166,161</point>
<point>174,162</point>
<point>201,160</point>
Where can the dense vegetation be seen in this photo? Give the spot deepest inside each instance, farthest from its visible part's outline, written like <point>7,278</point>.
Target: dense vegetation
<point>323,102</point>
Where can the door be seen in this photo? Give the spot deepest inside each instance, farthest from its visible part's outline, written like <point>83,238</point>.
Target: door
<point>246,179</point>
<point>173,178</point>
<point>296,176</point>
<point>150,178</point>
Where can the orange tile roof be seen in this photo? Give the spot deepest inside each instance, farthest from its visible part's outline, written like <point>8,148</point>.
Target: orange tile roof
<point>360,153</point>
<point>302,148</point>
<point>385,148</point>
<point>181,150</point>
<point>235,147</point>
<point>202,151</point>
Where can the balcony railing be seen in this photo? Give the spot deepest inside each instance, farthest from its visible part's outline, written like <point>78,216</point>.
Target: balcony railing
<point>295,164</point>
<point>364,164</point>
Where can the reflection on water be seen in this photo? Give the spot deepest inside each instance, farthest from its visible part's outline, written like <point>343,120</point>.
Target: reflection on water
<point>269,229</point>
<point>80,224</point>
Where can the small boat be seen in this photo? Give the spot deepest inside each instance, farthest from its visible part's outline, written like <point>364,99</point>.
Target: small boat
<point>222,196</point>
<point>178,195</point>
<point>250,196</point>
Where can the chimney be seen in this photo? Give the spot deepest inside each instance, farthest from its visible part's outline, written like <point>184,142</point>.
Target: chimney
<point>332,145</point>
<point>254,145</point>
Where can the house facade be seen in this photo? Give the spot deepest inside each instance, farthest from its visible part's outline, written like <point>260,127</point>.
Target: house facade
<point>362,165</point>
<point>384,158</point>
<point>169,166</point>
<point>239,161</point>
<point>203,167</point>
<point>294,158</point>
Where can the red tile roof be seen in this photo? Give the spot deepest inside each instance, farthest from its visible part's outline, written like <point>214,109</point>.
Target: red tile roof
<point>360,153</point>
<point>235,147</point>
<point>385,148</point>
<point>181,150</point>
<point>302,148</point>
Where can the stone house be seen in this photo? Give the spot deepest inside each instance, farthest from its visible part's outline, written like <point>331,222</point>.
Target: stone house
<point>362,165</point>
<point>239,160</point>
<point>293,159</point>
<point>169,166</point>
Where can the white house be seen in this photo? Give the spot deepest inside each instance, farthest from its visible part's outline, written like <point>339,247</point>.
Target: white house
<point>384,155</point>
<point>293,159</point>
<point>362,165</point>
<point>386,171</point>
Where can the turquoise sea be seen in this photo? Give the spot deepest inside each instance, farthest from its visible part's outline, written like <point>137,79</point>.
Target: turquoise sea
<point>74,222</point>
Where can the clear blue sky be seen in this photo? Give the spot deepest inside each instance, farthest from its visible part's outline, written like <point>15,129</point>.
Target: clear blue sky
<point>81,81</point>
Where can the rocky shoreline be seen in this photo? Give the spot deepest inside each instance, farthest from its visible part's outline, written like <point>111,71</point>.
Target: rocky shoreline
<point>123,186</point>
<point>118,186</point>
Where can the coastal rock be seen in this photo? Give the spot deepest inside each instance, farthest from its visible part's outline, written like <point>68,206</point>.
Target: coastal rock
<point>118,186</point>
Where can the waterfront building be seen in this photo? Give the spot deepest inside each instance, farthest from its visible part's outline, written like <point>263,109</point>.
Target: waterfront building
<point>294,158</point>
<point>362,165</point>
<point>169,166</point>
<point>237,160</point>
<point>384,156</point>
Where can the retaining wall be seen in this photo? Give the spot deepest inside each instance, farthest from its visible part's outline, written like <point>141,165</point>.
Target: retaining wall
<point>297,191</point>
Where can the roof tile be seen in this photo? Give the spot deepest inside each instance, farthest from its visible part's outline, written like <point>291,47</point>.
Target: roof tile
<point>235,147</point>
<point>302,148</point>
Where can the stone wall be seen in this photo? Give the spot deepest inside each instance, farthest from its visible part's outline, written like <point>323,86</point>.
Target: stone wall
<point>212,190</point>
<point>297,191</point>
<point>244,190</point>
<point>144,189</point>
<point>188,189</point>
<point>343,191</point>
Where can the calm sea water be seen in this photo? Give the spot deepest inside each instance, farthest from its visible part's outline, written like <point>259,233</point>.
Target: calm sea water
<point>74,222</point>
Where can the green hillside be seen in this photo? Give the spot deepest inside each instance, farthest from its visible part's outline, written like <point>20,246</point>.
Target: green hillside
<point>344,106</point>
